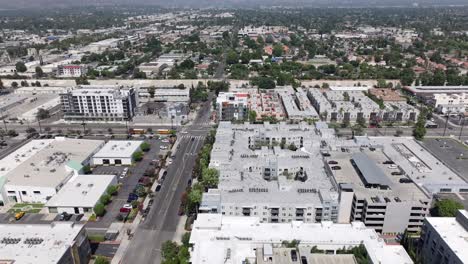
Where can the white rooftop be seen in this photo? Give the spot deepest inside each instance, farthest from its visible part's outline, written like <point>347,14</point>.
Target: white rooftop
<point>118,149</point>
<point>46,163</point>
<point>82,191</point>
<point>454,232</point>
<point>225,239</point>
<point>56,240</point>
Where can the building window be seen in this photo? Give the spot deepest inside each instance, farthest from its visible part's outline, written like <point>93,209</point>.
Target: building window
<point>24,193</point>
<point>37,192</point>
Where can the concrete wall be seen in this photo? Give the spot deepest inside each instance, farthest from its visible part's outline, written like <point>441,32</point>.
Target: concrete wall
<point>30,196</point>
<point>100,161</point>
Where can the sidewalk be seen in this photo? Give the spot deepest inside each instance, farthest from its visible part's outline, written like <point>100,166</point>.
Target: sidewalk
<point>124,240</point>
<point>180,230</point>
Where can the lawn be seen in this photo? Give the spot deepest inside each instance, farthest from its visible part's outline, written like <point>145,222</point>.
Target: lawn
<point>26,207</point>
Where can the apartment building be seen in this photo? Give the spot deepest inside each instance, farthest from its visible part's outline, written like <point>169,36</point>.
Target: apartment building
<point>266,104</point>
<point>270,171</point>
<point>71,71</point>
<point>228,239</point>
<point>99,103</point>
<point>296,104</point>
<point>445,239</point>
<point>232,106</point>
<point>376,192</point>
<point>450,103</point>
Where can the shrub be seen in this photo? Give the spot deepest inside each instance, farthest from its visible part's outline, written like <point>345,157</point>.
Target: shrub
<point>112,190</point>
<point>99,209</point>
<point>145,146</point>
<point>105,199</point>
<point>137,156</point>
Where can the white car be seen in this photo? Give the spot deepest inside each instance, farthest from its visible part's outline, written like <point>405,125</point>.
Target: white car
<point>169,161</point>
<point>127,206</point>
<point>163,147</point>
<point>392,166</point>
<point>165,141</point>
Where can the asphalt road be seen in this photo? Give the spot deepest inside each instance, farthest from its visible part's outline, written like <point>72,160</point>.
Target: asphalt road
<point>408,131</point>
<point>161,223</point>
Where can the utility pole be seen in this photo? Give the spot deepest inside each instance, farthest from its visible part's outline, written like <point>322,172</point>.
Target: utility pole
<point>446,122</point>
<point>461,129</point>
<point>39,123</point>
<point>84,127</point>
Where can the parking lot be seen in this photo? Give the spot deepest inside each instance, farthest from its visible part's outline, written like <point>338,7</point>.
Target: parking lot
<point>135,172</point>
<point>451,152</point>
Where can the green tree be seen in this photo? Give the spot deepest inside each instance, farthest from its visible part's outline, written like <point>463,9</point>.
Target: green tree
<point>446,208</point>
<point>210,178</point>
<point>232,57</point>
<point>145,146</point>
<point>99,209</point>
<point>105,199</point>
<point>20,67</point>
<point>14,84</point>
<point>112,190</point>
<point>187,64</point>
<point>101,260</point>
<point>42,114</point>
<point>169,252</point>
<point>39,72</point>
<point>252,116</point>
<point>137,156</point>
<point>277,50</point>
<point>419,130</point>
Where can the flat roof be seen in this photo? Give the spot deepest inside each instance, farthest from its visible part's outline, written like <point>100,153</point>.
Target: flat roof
<point>372,174</point>
<point>44,163</point>
<point>229,239</point>
<point>453,233</point>
<point>118,149</point>
<point>82,191</point>
<point>56,238</point>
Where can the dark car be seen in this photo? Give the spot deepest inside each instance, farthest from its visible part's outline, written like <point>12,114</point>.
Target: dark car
<point>388,162</point>
<point>293,255</point>
<point>326,154</point>
<point>158,187</point>
<point>132,197</point>
<point>303,260</point>
<point>332,162</point>
<point>397,173</point>
<point>150,202</point>
<point>189,183</point>
<point>336,168</point>
<point>405,180</point>
<point>65,216</point>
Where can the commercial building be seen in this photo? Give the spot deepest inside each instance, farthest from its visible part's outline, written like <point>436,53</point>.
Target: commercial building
<point>271,171</point>
<point>450,103</point>
<point>226,239</point>
<point>58,242</point>
<point>99,103</point>
<point>80,194</point>
<point>39,169</point>
<point>172,95</point>
<point>232,106</point>
<point>445,239</point>
<point>116,152</point>
<point>71,71</point>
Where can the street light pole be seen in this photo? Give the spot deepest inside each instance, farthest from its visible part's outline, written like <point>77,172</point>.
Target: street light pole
<point>39,123</point>
<point>84,127</point>
<point>461,129</point>
<point>446,122</point>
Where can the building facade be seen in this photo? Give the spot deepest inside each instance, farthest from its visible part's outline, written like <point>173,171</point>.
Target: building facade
<point>71,71</point>
<point>93,103</point>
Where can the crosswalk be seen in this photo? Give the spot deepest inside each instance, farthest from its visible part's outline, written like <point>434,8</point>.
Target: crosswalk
<point>190,137</point>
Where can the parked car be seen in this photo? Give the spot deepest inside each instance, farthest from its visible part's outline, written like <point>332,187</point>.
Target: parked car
<point>19,215</point>
<point>388,162</point>
<point>158,187</point>
<point>332,162</point>
<point>150,202</point>
<point>336,168</point>
<point>393,166</point>
<point>132,197</point>
<point>65,216</point>
<point>397,173</point>
<point>126,208</point>
<point>163,147</point>
<point>405,180</point>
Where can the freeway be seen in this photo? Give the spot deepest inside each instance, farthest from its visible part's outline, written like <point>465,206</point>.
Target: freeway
<point>161,222</point>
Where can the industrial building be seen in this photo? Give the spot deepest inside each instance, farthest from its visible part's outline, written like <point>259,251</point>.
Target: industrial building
<point>99,103</point>
<point>55,243</point>
<point>445,239</point>
<point>116,152</point>
<point>38,170</point>
<point>228,239</point>
<point>80,194</point>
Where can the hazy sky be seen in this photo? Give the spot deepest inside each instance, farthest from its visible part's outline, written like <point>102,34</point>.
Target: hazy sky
<point>13,4</point>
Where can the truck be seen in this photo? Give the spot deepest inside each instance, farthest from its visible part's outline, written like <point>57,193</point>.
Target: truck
<point>137,131</point>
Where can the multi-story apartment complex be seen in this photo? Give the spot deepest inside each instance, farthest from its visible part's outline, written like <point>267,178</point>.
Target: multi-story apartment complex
<point>71,71</point>
<point>266,104</point>
<point>296,104</point>
<point>228,239</point>
<point>376,192</point>
<point>273,172</point>
<point>99,103</point>
<point>232,106</point>
<point>352,105</point>
<point>445,239</point>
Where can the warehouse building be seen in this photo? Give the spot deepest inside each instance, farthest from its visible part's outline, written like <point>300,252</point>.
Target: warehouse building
<point>117,152</point>
<point>58,242</point>
<point>80,194</point>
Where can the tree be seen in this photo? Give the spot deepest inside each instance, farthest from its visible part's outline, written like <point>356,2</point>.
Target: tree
<point>12,133</point>
<point>105,199</point>
<point>277,50</point>
<point>187,64</point>
<point>101,260</point>
<point>137,156</point>
<point>419,130</point>
<point>42,114</point>
<point>232,57</point>
<point>39,72</point>
<point>292,147</point>
<point>446,208</point>
<point>252,116</point>
<point>20,67</point>
<point>145,146</point>
<point>86,169</point>
<point>111,190</point>
<point>151,91</point>
<point>14,84</point>
<point>30,130</point>
<point>99,209</point>
<point>169,252</point>
<point>210,178</point>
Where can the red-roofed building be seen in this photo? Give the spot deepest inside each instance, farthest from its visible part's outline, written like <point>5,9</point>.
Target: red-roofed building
<point>71,71</point>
